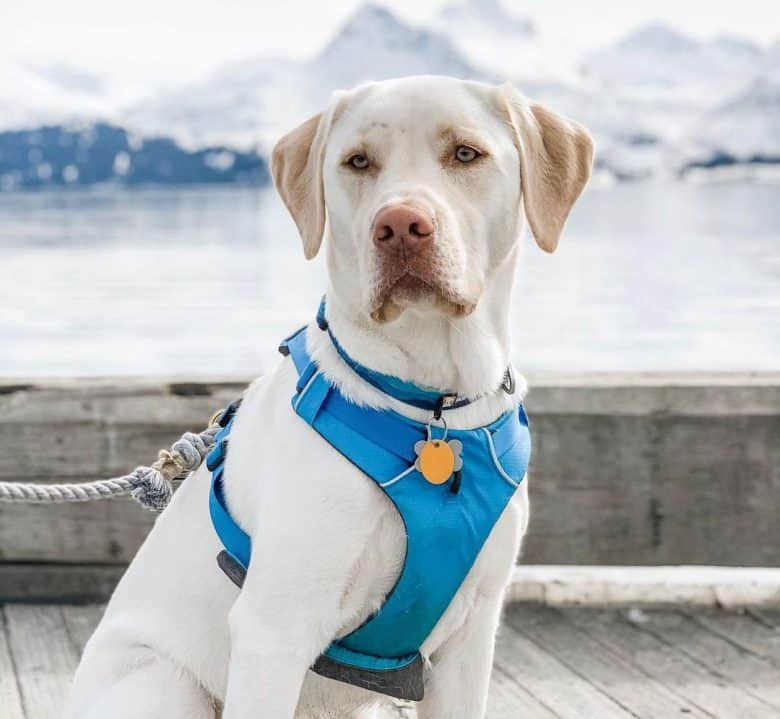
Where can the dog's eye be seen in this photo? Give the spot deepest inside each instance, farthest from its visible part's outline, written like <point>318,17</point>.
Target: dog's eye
<point>358,161</point>
<point>464,153</point>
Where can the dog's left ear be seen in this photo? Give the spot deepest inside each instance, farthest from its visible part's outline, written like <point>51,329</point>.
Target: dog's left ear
<point>556,157</point>
<point>296,166</point>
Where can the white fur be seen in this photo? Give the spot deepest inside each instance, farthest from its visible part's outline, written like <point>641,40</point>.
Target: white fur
<point>178,639</point>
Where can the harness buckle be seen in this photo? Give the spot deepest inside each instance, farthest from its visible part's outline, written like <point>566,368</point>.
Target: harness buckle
<point>445,401</point>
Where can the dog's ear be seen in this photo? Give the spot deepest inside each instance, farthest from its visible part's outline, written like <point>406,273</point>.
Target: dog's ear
<point>556,157</point>
<point>296,166</point>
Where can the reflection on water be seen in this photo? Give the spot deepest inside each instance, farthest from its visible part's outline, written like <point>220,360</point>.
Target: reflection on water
<point>206,281</point>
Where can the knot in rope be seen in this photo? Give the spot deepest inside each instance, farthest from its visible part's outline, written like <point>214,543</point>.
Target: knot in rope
<point>193,448</point>
<point>150,486</point>
<point>153,486</point>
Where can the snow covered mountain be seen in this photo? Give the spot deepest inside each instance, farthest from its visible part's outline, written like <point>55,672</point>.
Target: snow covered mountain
<point>744,129</point>
<point>658,62</point>
<point>657,101</point>
<point>252,102</point>
<point>510,46</point>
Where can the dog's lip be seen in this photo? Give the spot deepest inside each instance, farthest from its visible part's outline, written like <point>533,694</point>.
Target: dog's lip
<point>409,281</point>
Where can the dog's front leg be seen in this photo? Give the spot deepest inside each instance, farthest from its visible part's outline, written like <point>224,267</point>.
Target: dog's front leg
<point>278,627</point>
<point>461,667</point>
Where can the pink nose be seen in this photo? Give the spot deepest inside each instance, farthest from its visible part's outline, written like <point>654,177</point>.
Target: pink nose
<point>402,225</point>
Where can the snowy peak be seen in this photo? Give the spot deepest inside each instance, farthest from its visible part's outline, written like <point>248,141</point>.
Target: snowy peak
<point>657,60</point>
<point>374,22</point>
<point>375,44</point>
<point>508,45</point>
<point>489,14</point>
<point>737,47</point>
<point>657,38</point>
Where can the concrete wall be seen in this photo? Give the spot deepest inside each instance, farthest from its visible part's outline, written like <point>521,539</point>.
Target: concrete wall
<point>632,469</point>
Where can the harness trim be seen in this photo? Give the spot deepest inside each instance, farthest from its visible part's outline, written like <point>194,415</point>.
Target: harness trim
<point>398,477</point>
<point>495,459</point>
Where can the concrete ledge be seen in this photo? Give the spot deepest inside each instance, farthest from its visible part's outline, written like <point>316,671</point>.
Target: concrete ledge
<point>627,469</point>
<point>553,585</point>
<point>731,587</point>
<point>56,583</point>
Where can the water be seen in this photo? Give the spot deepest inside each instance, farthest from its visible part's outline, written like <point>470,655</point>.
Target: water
<point>206,281</point>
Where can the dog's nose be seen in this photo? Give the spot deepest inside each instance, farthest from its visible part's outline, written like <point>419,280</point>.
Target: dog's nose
<point>402,225</point>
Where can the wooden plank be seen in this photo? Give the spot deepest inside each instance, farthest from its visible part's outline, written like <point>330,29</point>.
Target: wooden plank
<point>768,616</point>
<point>549,681</point>
<point>508,700</point>
<point>677,671</point>
<point>752,673</point>
<point>44,657</point>
<point>10,695</point>
<point>583,655</point>
<point>80,622</point>
<point>743,629</point>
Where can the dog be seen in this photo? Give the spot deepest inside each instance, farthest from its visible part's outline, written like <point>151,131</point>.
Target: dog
<point>419,188</point>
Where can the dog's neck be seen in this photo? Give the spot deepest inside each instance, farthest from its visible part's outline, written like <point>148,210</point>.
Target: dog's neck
<point>467,355</point>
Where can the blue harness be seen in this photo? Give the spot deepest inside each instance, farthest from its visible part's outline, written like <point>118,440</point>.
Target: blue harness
<point>446,524</point>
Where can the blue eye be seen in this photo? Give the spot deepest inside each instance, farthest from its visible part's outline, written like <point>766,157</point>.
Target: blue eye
<point>359,162</point>
<point>464,153</point>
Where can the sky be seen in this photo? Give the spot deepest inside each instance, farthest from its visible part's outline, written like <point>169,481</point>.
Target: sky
<point>161,43</point>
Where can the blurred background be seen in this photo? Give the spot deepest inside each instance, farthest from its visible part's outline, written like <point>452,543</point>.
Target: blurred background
<point>139,232</point>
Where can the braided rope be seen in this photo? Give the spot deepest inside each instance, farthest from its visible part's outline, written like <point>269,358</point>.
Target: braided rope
<point>150,486</point>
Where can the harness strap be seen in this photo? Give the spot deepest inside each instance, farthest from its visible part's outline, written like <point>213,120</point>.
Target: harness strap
<point>445,531</point>
<point>384,429</point>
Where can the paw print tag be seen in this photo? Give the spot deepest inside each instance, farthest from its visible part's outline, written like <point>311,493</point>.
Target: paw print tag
<point>437,459</point>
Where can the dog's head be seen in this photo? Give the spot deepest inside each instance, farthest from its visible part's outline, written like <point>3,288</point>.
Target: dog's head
<point>422,183</point>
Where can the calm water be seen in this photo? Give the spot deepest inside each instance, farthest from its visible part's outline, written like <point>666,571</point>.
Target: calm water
<point>648,277</point>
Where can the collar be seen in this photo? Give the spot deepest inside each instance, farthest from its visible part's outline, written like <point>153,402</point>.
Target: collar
<point>426,398</point>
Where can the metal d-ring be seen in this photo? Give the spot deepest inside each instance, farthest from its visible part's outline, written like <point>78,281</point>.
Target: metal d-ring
<point>444,425</point>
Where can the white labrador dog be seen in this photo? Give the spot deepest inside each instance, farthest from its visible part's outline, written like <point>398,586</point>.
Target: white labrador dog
<point>436,172</point>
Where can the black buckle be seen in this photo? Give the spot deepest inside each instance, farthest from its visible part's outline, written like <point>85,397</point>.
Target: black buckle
<point>229,411</point>
<point>445,401</point>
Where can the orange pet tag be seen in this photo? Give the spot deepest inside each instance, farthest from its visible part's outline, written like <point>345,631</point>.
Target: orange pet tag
<point>437,459</point>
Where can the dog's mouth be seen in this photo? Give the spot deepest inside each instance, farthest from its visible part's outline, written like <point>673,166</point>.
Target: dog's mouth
<point>409,290</point>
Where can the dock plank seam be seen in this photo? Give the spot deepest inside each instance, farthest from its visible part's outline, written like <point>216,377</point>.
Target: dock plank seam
<point>497,668</point>
<point>12,659</point>
<point>710,627</point>
<point>660,689</point>
<point>693,658</point>
<point>615,652</point>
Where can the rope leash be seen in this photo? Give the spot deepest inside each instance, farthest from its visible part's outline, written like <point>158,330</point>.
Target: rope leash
<point>152,487</point>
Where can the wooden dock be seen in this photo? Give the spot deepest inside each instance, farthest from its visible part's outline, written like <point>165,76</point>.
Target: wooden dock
<point>551,663</point>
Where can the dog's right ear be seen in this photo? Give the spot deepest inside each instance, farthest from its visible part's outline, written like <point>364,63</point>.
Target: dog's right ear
<point>296,166</point>
<point>556,157</point>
